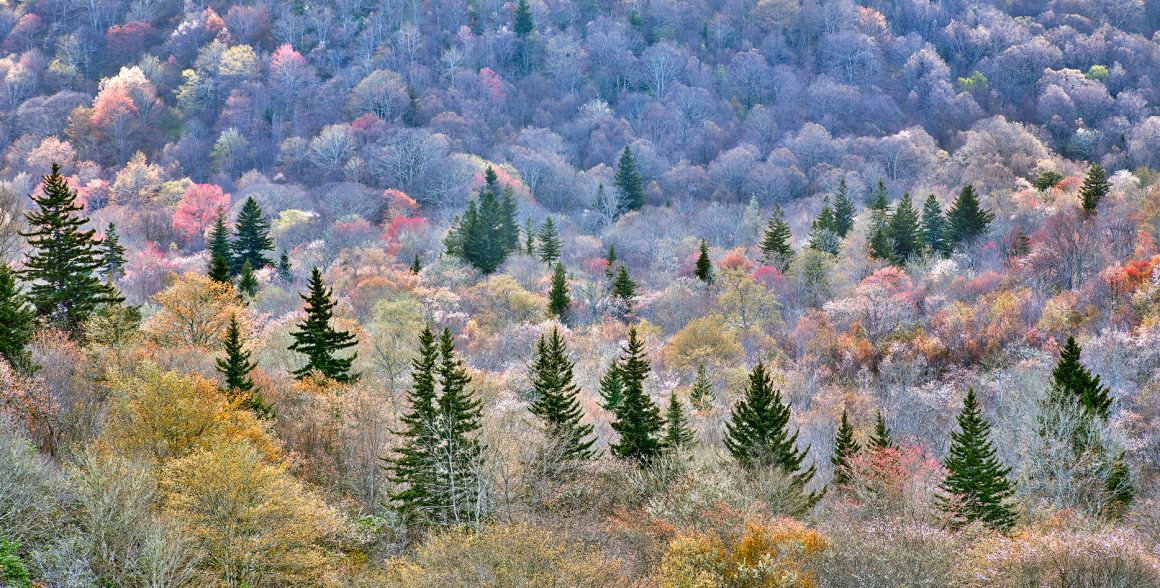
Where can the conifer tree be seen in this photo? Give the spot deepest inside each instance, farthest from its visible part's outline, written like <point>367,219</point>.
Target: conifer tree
<point>905,232</point>
<point>219,249</point>
<point>701,396</point>
<point>976,488</point>
<point>677,435</point>
<point>558,297</point>
<point>629,182</point>
<point>704,267</point>
<point>247,280</point>
<point>758,432</point>
<point>1020,244</point>
<point>966,219</point>
<point>113,254</point>
<point>1075,381</point>
<point>219,270</point>
<point>487,232</point>
<point>235,368</point>
<point>509,228</point>
<point>845,448</point>
<point>529,236</point>
<point>17,321</point>
<point>879,203</point>
<point>251,238</point>
<point>460,453</point>
<point>934,227</point>
<point>823,236</point>
<point>285,271</point>
<point>880,246</point>
<point>843,211</point>
<point>775,246</point>
<point>62,266</point>
<point>881,437</point>
<point>523,24</point>
<point>556,401</point>
<point>623,290</point>
<point>638,420</point>
<point>413,466</point>
<point>318,340</point>
<point>1095,188</point>
<point>611,389</point>
<point>610,271</point>
<point>549,242</point>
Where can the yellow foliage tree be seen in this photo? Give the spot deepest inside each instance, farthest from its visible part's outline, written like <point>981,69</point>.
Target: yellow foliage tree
<point>195,311</point>
<point>502,301</point>
<point>745,304</point>
<point>770,554</point>
<point>702,340</point>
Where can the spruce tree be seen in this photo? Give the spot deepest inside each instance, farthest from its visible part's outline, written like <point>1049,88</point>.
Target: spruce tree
<point>113,254</point>
<point>558,298</point>
<point>623,290</point>
<point>976,488</point>
<point>966,219</point>
<point>823,236</point>
<point>677,435</point>
<point>219,249</point>
<point>508,226</point>
<point>757,434</point>
<point>878,202</point>
<point>775,246</point>
<point>416,265</point>
<point>251,238</point>
<point>285,271</point>
<point>235,368</point>
<point>529,236</point>
<point>549,242</point>
<point>318,340</point>
<point>611,389</point>
<point>934,227</point>
<point>413,466</point>
<point>17,322</point>
<point>1095,188</point>
<point>905,232</point>
<point>701,396</point>
<point>247,280</point>
<point>1047,180</point>
<point>881,437</point>
<point>638,420</point>
<point>487,232</point>
<point>843,211</point>
<point>219,269</point>
<point>703,270</point>
<point>523,24</point>
<point>880,246</point>
<point>457,426</point>
<point>556,400</point>
<point>62,266</point>
<point>846,447</point>
<point>610,271</point>
<point>629,182</point>
<point>1075,381</point>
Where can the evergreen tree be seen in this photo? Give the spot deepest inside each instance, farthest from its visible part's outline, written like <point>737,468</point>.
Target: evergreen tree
<point>623,289</point>
<point>966,219</point>
<point>704,267</point>
<point>487,232</point>
<point>823,235</point>
<point>64,260</point>
<point>905,232</point>
<point>1020,244</point>
<point>251,238</point>
<point>1095,188</point>
<point>549,242</point>
<point>412,467</point>
<point>219,249</point>
<point>285,271</point>
<point>843,211</point>
<point>524,24</point>
<point>758,434</point>
<point>17,322</point>
<point>611,389</point>
<point>701,395</point>
<point>879,243</point>
<point>976,488</point>
<point>775,246</point>
<point>460,452</point>
<point>610,271</point>
<point>556,401</point>
<point>880,246</point>
<point>1075,381</point>
<point>878,202</point>
<point>630,183</point>
<point>881,437</point>
<point>417,265</point>
<point>113,262</point>
<point>247,280</point>
<point>219,269</point>
<point>529,236</point>
<point>845,448</point>
<point>638,420</point>
<point>235,368</point>
<point>934,227</point>
<point>677,435</point>
<point>1047,180</point>
<point>319,341</point>
<point>509,228</point>
<point>558,298</point>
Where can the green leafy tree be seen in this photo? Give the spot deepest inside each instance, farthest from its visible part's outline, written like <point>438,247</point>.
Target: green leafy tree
<point>976,488</point>
<point>758,432</point>
<point>247,280</point>
<point>236,369</point>
<point>113,254</point>
<point>549,242</point>
<point>678,435</point>
<point>775,246</point>
<point>703,270</point>
<point>559,299</point>
<point>845,448</point>
<point>966,219</point>
<point>251,238</point>
<point>318,340</point>
<point>1095,188</point>
<point>934,227</point>
<point>701,396</point>
<point>905,232</point>
<point>62,265</point>
<point>881,437</point>
<point>629,182</point>
<point>17,321</point>
<point>1077,382</point>
<point>556,399</point>
<point>13,572</point>
<point>638,420</point>
<point>412,467</point>
<point>843,211</point>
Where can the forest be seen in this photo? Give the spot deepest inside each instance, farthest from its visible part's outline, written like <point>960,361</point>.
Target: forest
<point>580,293</point>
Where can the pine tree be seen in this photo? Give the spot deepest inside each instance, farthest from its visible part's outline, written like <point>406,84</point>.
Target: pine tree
<point>843,211</point>
<point>247,280</point>
<point>823,236</point>
<point>251,238</point>
<point>285,271</point>
<point>556,401</point>
<point>677,435</point>
<point>775,246</point>
<point>638,420</point>
<point>413,466</point>
<point>558,298</point>
<point>1075,381</point>
<point>611,389</point>
<point>508,226</point>
<point>846,447</point>
<point>417,265</point>
<point>235,368</point>
<point>317,340</point>
<point>880,245</point>
<point>879,203</point>
<point>62,266</point>
<point>524,24</point>
<point>487,232</point>
<point>934,227</point>
<point>219,269</point>
<point>460,452</point>
<point>701,396</point>
<point>1095,188</point>
<point>966,219</point>
<point>881,437</point>
<point>529,236</point>
<point>704,267</point>
<point>623,290</point>
<point>630,183</point>
<point>219,249</point>
<point>905,232</point>
<point>758,434</point>
<point>549,242</point>
<point>610,271</point>
<point>17,322</point>
<point>976,488</point>
<point>113,257</point>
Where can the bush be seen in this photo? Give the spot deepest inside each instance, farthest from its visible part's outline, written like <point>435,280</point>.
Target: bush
<point>770,554</point>
<point>887,553</point>
<point>1112,558</point>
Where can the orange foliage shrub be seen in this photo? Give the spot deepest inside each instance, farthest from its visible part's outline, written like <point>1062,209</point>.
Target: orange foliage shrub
<point>771,553</point>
